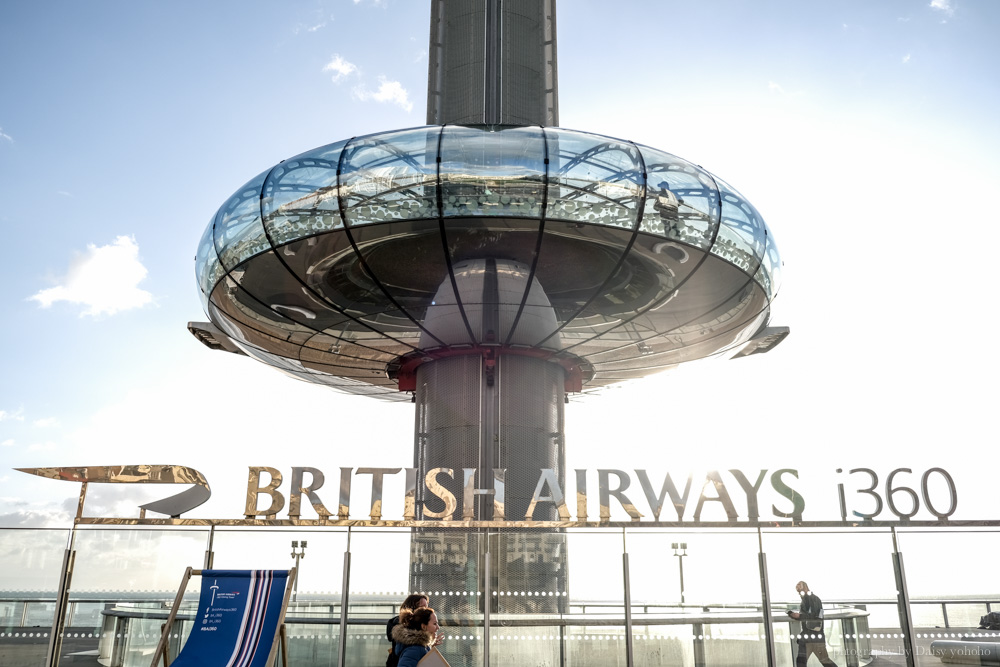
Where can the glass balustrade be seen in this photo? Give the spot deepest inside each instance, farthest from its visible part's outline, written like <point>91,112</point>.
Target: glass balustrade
<point>552,597</point>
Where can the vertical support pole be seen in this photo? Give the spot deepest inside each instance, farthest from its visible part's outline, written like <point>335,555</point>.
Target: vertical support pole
<point>62,597</point>
<point>903,602</point>
<point>680,561</point>
<point>765,595</point>
<point>562,644</point>
<point>849,631</point>
<point>629,656</point>
<point>698,634</point>
<point>344,601</point>
<point>210,552</point>
<point>83,497</point>
<point>487,603</point>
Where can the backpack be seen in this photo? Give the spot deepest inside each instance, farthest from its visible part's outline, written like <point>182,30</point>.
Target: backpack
<point>990,621</point>
<point>393,659</point>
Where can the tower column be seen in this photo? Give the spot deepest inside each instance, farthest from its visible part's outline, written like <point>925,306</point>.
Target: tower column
<point>505,422</point>
<point>493,62</point>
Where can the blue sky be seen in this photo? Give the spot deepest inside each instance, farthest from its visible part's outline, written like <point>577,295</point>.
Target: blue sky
<point>865,133</point>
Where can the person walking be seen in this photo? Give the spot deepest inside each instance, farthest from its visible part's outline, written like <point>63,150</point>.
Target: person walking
<point>415,635</point>
<point>812,641</point>
<point>414,601</point>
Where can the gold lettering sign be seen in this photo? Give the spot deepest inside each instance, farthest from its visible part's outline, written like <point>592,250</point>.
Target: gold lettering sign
<point>613,485</point>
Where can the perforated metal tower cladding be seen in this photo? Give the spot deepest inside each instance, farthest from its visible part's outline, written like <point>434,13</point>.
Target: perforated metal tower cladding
<point>505,426</point>
<point>493,62</point>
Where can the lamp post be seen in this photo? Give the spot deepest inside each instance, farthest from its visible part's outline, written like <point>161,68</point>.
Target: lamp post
<point>297,554</point>
<point>680,560</point>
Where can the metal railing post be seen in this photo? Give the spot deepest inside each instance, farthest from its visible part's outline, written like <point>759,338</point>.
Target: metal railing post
<point>629,656</point>
<point>210,552</point>
<point>62,597</point>
<point>765,594</point>
<point>487,603</point>
<point>344,601</point>
<point>903,603</point>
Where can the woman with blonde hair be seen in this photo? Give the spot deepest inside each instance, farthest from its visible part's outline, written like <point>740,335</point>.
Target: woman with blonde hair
<point>416,633</point>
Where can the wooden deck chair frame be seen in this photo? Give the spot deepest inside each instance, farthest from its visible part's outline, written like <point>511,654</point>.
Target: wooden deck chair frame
<point>280,634</point>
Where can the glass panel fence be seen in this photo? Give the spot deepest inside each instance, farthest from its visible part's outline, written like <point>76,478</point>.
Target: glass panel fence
<point>951,591</point>
<point>594,632</point>
<point>313,616</point>
<point>380,581</point>
<point>696,598</point>
<point>30,567</point>
<point>554,597</point>
<point>529,597</point>
<point>852,575</point>
<point>124,581</point>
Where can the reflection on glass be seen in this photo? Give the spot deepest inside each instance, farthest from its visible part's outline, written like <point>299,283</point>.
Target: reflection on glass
<point>492,173</point>
<point>207,266</point>
<point>300,196</point>
<point>743,233</point>
<point>594,179</point>
<point>391,176</point>
<point>238,231</point>
<point>681,199</point>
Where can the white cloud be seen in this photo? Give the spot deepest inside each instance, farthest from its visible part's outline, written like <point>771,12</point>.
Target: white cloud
<point>104,279</point>
<point>906,58</point>
<point>5,137</point>
<point>9,442</point>
<point>318,26</point>
<point>36,518</point>
<point>391,92</point>
<point>774,87</point>
<point>47,422</point>
<point>946,6</point>
<point>340,68</point>
<point>17,415</point>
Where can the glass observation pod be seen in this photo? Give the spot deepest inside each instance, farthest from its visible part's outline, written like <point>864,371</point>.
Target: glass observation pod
<point>349,263</point>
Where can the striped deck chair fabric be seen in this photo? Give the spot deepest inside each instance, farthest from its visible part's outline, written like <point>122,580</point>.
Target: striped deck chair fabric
<point>239,615</point>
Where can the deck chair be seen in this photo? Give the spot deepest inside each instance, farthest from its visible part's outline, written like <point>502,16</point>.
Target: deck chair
<point>239,622</point>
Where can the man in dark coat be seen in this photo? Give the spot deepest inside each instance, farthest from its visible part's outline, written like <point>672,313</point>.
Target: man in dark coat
<point>812,641</point>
